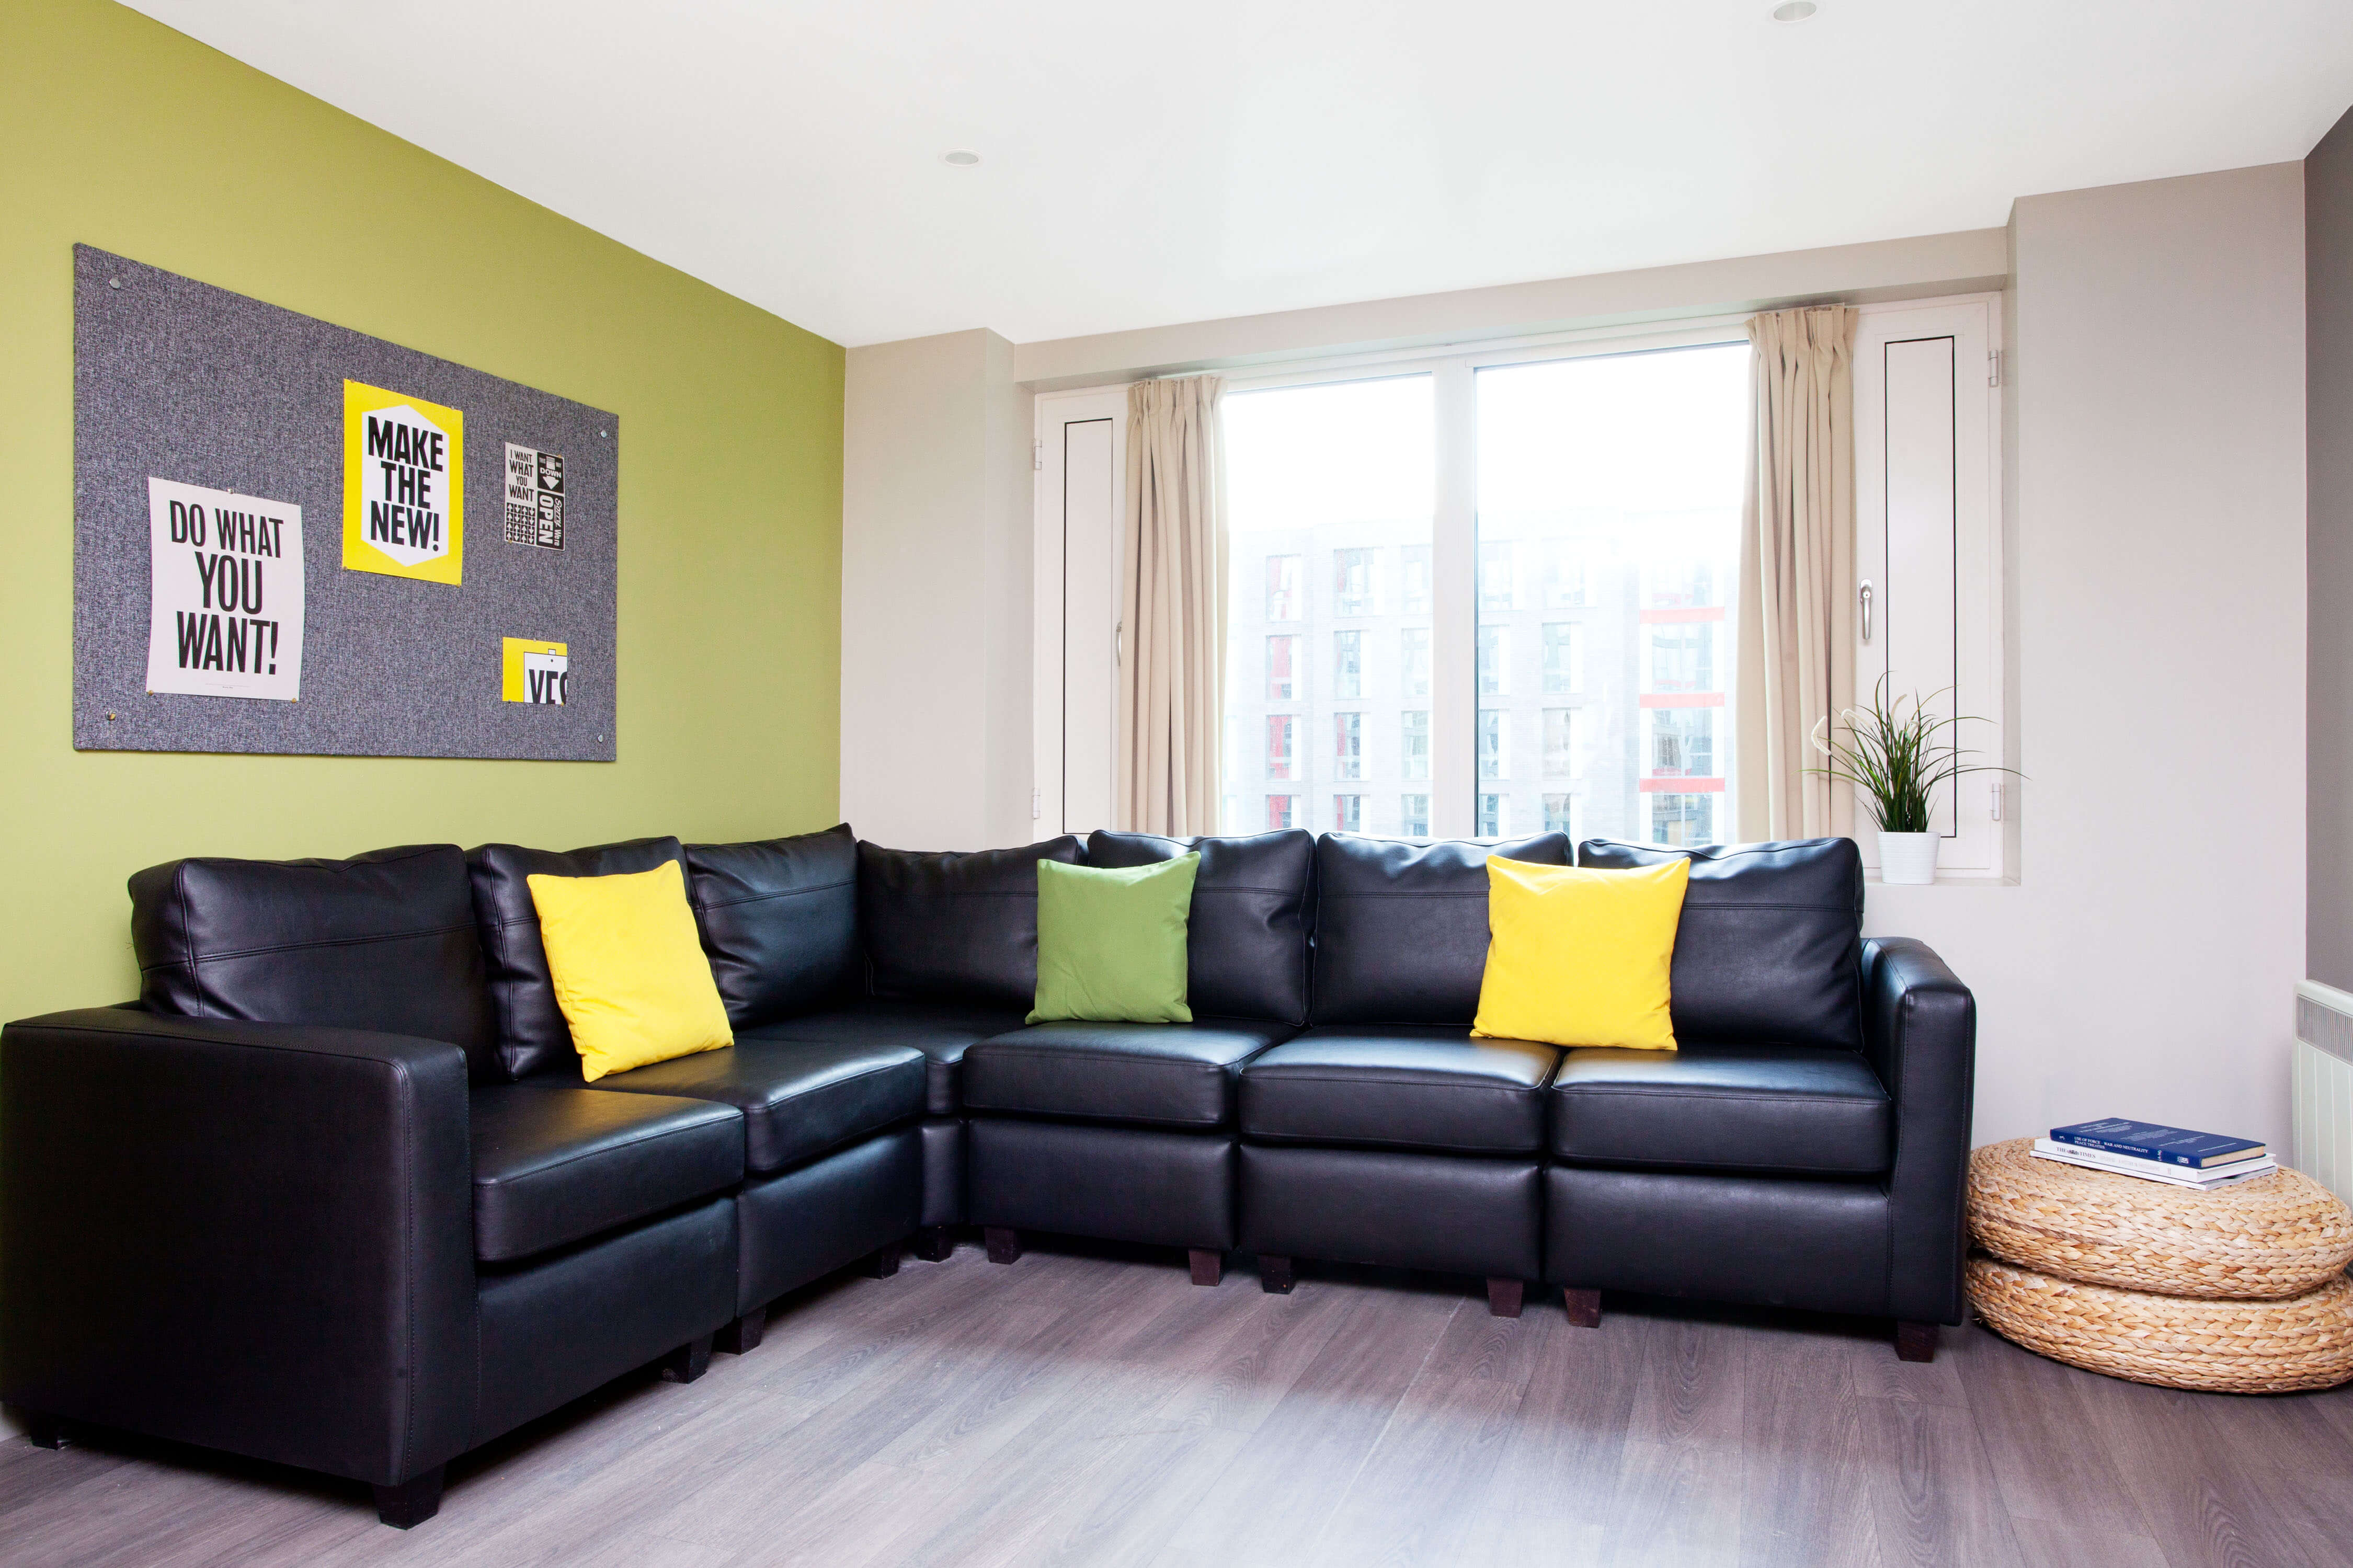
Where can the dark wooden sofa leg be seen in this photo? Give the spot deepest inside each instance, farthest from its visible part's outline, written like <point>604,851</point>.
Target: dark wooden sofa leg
<point>1004,1244</point>
<point>412,1502</point>
<point>1208,1265</point>
<point>884,1263</point>
<point>1274,1274</point>
<point>1504,1295</point>
<point>934,1243</point>
<point>1584,1307</point>
<point>45,1431</point>
<point>689,1362</point>
<point>743,1334</point>
<point>1915,1341</point>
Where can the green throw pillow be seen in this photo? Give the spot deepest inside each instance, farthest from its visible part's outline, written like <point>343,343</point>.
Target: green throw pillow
<point>1110,942</point>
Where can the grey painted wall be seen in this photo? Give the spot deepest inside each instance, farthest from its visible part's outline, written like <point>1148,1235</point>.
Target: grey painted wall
<point>2329,457</point>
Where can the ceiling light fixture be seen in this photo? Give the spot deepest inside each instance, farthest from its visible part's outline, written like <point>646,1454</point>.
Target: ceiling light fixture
<point>1795,11</point>
<point>963,159</point>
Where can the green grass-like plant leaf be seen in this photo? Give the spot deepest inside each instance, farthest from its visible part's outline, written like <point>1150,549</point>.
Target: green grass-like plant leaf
<point>1892,753</point>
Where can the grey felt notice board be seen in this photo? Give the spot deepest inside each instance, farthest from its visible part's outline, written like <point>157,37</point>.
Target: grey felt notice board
<point>501,645</point>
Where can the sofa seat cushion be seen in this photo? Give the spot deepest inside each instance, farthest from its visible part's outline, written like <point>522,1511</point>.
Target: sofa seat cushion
<point>799,1098</point>
<point>941,1031</point>
<point>1163,1075</point>
<point>554,1163</point>
<point>1400,1086</point>
<point>1796,1109</point>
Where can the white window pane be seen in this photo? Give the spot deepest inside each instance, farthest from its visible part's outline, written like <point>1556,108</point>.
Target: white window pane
<point>1348,664</point>
<point>1347,745</point>
<point>1413,661</point>
<point>1558,816</point>
<point>1612,486</point>
<point>1330,503</point>
<point>1414,815</point>
<point>1414,745</point>
<point>1494,743</point>
<point>1495,660</point>
<point>1495,816</point>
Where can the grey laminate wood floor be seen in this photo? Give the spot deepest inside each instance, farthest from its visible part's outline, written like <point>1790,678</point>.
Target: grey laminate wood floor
<point>1094,1407</point>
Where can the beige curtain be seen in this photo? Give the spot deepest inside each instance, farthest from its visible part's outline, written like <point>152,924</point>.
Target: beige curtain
<point>1797,571</point>
<point>1172,609</point>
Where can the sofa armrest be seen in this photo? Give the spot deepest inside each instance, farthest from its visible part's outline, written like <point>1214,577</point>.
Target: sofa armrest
<point>1920,1033</point>
<point>252,1237</point>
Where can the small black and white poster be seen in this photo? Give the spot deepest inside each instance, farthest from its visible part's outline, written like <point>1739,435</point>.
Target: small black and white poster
<point>534,498</point>
<point>225,618</point>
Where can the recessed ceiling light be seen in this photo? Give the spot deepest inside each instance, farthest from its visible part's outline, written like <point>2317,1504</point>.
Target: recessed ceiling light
<point>962,160</point>
<point>1795,11</point>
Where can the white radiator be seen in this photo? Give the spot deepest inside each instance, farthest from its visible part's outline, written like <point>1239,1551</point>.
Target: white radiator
<point>2324,1086</point>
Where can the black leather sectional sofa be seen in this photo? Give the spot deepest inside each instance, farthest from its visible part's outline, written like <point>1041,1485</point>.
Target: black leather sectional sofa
<point>333,1192</point>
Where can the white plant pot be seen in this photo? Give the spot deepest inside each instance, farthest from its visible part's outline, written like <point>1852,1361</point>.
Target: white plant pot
<point>1908,857</point>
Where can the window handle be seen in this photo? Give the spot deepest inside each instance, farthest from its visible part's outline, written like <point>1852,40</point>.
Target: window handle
<point>1866,609</point>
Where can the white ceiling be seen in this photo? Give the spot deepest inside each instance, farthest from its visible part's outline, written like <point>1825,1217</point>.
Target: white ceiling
<point>1155,163</point>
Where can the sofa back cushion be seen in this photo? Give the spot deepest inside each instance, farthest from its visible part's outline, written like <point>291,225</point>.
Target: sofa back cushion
<point>1253,903</point>
<point>532,1035</point>
<point>1769,950</point>
<point>1401,925</point>
<point>382,941</point>
<point>779,921</point>
<point>955,928</point>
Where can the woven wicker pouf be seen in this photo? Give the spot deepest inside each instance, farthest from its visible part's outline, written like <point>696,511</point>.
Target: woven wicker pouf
<point>2182,1342</point>
<point>2277,1236</point>
<point>2240,1290</point>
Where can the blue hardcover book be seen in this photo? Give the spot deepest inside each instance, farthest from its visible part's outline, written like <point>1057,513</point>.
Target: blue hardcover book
<point>2148,1141</point>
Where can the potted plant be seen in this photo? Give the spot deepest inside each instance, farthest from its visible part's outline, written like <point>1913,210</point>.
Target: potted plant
<point>1894,759</point>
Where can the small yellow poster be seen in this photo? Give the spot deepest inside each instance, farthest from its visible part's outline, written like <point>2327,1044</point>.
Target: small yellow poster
<point>404,485</point>
<point>535,671</point>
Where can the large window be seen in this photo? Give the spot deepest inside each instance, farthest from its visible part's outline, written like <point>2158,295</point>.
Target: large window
<point>1331,485</point>
<point>1519,569</point>
<point>1594,560</point>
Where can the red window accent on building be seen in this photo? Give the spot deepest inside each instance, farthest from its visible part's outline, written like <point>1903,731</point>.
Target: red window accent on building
<point>1282,811</point>
<point>1281,668</point>
<point>1280,730</point>
<point>1681,786</point>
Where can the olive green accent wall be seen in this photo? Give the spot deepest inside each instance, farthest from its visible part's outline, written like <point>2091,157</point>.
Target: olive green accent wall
<point>118,132</point>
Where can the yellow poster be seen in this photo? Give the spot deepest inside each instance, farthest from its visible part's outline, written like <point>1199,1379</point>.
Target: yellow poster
<point>535,671</point>
<point>404,485</point>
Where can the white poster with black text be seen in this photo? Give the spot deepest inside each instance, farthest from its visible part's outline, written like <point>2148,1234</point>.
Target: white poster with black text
<point>225,618</point>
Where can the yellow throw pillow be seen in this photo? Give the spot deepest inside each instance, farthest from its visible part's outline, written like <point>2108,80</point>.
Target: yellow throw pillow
<point>628,968</point>
<point>1577,956</point>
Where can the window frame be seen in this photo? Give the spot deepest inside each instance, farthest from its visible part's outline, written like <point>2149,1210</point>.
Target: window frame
<point>1453,699</point>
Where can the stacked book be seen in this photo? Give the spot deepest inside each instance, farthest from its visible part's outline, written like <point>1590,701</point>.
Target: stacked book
<point>2172,1154</point>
